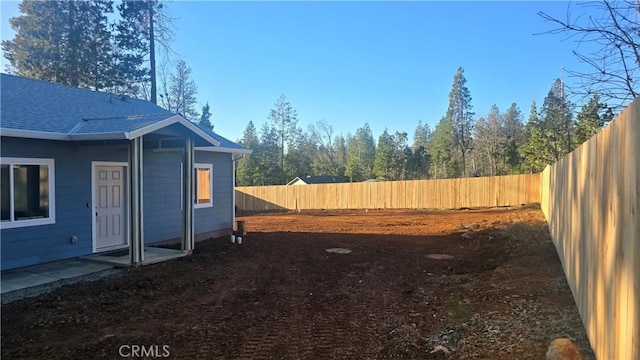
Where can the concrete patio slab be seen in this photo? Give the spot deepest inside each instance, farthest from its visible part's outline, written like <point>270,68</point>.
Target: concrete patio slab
<point>34,280</point>
<point>152,255</point>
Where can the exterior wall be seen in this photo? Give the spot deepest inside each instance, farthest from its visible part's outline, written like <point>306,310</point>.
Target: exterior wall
<point>163,195</point>
<point>220,216</point>
<point>32,245</point>
<point>38,244</point>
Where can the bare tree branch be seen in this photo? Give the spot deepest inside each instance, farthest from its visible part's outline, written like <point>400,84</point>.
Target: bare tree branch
<point>615,61</point>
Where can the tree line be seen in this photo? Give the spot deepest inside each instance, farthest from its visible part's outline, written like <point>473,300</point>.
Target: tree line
<point>112,46</point>
<point>460,145</point>
<point>103,46</point>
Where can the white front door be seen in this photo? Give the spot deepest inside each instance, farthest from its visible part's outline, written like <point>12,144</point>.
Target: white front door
<point>109,207</point>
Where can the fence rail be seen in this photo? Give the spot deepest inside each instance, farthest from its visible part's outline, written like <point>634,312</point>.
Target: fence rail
<point>411,194</point>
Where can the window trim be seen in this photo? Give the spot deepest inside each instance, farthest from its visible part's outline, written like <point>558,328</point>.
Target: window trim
<point>12,223</point>
<point>195,199</point>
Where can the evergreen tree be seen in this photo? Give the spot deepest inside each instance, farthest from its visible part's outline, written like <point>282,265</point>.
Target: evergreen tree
<point>418,163</point>
<point>143,25</point>
<point>419,160</point>
<point>441,147</point>
<point>460,113</point>
<point>383,164</point>
<point>361,152</point>
<point>593,116</point>
<point>299,157</point>
<point>557,123</point>
<point>180,92</point>
<point>268,169</point>
<point>341,155</point>
<point>285,119</point>
<point>421,135</point>
<point>514,133</point>
<point>247,171</point>
<point>205,118</point>
<point>534,151</point>
<point>66,42</point>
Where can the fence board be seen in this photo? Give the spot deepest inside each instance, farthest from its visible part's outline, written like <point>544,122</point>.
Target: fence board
<point>591,200</point>
<point>414,194</point>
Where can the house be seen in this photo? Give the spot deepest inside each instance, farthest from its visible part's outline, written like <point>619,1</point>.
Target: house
<point>86,172</point>
<point>321,179</point>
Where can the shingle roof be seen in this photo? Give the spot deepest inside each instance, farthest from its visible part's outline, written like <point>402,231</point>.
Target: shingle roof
<point>30,105</point>
<point>35,105</point>
<point>226,143</point>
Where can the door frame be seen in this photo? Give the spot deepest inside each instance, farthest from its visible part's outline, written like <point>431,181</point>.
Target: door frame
<point>94,166</point>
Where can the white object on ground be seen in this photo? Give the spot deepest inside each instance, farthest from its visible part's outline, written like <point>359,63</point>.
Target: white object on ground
<point>439,348</point>
<point>239,240</point>
<point>338,251</point>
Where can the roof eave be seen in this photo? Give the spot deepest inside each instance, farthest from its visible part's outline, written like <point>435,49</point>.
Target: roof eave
<point>30,134</point>
<point>224,150</point>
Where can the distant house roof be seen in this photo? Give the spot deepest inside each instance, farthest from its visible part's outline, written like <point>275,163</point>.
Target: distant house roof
<point>320,179</point>
<point>42,110</point>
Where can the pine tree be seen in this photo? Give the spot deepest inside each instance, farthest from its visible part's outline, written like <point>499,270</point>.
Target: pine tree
<point>383,164</point>
<point>285,119</point>
<point>65,42</point>
<point>341,155</point>
<point>143,25</point>
<point>180,92</point>
<point>441,149</point>
<point>421,135</point>
<point>269,170</point>
<point>593,116</point>
<point>247,171</point>
<point>534,151</point>
<point>557,123</point>
<point>460,113</point>
<point>361,152</point>
<point>514,133</point>
<point>299,157</point>
<point>205,118</point>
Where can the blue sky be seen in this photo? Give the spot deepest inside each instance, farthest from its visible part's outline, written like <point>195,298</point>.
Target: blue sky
<point>386,63</point>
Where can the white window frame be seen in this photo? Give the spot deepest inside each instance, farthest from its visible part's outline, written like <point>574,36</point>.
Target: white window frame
<point>195,198</point>
<point>11,222</point>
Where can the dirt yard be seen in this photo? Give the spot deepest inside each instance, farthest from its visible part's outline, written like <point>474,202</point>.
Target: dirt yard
<point>482,284</point>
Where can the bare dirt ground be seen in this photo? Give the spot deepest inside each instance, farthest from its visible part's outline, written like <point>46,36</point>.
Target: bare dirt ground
<point>484,284</point>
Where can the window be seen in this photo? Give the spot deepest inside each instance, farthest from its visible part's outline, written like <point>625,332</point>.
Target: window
<point>203,185</point>
<point>27,192</point>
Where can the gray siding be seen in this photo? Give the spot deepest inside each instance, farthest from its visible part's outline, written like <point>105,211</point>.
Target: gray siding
<point>162,200</point>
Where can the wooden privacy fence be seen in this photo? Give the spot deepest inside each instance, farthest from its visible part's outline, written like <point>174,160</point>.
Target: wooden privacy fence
<point>412,194</point>
<point>591,200</point>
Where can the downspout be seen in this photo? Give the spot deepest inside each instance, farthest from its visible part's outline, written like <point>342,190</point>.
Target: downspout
<point>136,218</point>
